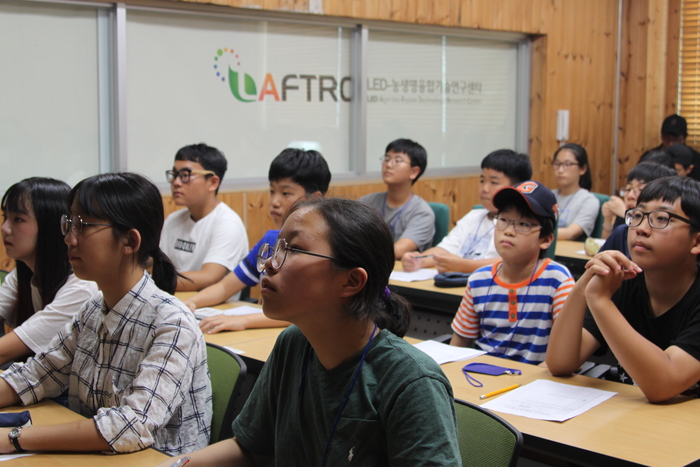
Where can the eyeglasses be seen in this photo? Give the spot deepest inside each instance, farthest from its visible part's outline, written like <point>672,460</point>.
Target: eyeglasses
<point>279,254</point>
<point>185,175</point>
<point>75,224</point>
<point>629,189</point>
<point>521,226</point>
<point>392,161</point>
<point>657,219</point>
<point>567,165</point>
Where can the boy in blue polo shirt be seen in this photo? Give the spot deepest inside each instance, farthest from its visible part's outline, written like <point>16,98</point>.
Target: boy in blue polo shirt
<point>293,174</point>
<point>509,307</point>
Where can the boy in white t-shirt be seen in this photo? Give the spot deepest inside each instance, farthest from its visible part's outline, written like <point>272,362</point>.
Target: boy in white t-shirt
<point>469,245</point>
<point>207,239</point>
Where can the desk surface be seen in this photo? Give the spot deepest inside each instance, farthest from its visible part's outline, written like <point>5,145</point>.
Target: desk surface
<point>569,248</point>
<point>49,413</point>
<point>626,427</point>
<point>426,286</point>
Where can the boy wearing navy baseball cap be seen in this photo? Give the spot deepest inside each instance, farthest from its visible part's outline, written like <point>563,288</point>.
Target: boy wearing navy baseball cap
<point>509,307</point>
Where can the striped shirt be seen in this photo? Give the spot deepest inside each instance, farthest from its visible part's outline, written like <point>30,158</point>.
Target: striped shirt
<point>513,320</point>
<point>139,370</point>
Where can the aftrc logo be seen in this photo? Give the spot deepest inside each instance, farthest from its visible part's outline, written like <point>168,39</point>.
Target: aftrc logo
<point>328,86</point>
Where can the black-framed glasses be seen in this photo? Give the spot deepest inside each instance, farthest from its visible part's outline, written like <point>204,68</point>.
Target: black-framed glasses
<point>75,224</point>
<point>393,161</point>
<point>279,254</point>
<point>185,175</point>
<point>519,225</point>
<point>657,219</point>
<point>567,165</point>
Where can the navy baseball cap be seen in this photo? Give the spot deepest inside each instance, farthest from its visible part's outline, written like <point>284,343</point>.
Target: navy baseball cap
<point>538,197</point>
<point>674,125</point>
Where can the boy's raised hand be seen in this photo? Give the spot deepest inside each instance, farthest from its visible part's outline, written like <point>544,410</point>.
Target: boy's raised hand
<point>606,271</point>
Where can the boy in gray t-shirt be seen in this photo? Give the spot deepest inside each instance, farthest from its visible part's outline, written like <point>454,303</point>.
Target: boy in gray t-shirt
<point>410,218</point>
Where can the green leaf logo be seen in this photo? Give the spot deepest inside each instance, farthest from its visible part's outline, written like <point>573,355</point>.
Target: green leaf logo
<point>250,88</point>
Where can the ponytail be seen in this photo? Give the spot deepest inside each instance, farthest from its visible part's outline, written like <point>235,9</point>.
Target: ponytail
<point>394,315</point>
<point>163,272</point>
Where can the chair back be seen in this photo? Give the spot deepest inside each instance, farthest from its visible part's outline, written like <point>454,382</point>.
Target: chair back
<point>442,221</point>
<point>227,372</point>
<point>551,251</point>
<point>600,220</point>
<point>485,439</point>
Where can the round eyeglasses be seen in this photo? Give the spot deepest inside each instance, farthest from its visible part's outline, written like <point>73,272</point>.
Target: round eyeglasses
<point>279,254</point>
<point>75,224</point>
<point>631,189</point>
<point>657,219</point>
<point>185,175</point>
<point>521,226</point>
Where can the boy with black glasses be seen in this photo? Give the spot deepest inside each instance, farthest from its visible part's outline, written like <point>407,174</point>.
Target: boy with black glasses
<point>647,309</point>
<point>508,307</point>
<point>206,240</point>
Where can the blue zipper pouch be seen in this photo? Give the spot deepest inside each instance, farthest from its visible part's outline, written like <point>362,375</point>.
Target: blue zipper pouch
<point>486,369</point>
<point>20,419</point>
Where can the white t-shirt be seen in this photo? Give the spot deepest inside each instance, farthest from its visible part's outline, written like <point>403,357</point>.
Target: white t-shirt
<point>472,237</point>
<point>580,208</point>
<point>37,331</point>
<point>219,237</point>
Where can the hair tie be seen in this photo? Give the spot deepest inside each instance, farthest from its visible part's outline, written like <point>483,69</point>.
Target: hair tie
<point>386,293</point>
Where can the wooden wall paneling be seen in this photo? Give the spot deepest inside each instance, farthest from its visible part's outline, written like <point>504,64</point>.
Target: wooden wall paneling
<point>657,17</point>
<point>631,129</point>
<point>538,92</point>
<point>672,57</point>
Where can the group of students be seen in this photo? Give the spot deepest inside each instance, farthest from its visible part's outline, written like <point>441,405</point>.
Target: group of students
<point>340,384</point>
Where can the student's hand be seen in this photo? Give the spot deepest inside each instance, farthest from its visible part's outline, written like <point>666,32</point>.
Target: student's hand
<point>613,208</point>
<point>606,271</point>
<point>447,263</point>
<point>409,263</point>
<point>218,323</point>
<point>190,304</point>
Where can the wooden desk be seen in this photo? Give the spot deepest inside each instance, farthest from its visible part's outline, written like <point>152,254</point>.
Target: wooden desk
<point>49,413</point>
<point>624,430</point>
<point>566,254</point>
<point>433,307</point>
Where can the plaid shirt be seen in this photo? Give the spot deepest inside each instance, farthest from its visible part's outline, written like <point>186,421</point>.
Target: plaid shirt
<point>140,370</point>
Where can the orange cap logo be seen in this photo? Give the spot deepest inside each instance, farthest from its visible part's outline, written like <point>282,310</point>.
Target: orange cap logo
<point>527,187</point>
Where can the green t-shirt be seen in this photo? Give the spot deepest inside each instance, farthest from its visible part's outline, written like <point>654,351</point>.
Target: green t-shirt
<point>400,412</point>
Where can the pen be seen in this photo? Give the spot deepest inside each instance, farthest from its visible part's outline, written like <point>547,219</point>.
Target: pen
<point>422,256</point>
<point>500,391</point>
<point>180,462</point>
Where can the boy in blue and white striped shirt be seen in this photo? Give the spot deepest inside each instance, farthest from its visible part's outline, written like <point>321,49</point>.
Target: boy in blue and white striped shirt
<point>509,307</point>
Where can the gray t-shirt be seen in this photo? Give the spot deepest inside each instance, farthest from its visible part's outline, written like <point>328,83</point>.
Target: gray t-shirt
<point>414,220</point>
<point>581,208</point>
<point>400,411</point>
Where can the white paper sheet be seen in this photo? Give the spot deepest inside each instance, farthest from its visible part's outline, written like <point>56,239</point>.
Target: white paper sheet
<point>443,353</point>
<point>419,275</point>
<point>9,457</point>
<point>547,400</point>
<point>202,313</point>
<point>239,352</point>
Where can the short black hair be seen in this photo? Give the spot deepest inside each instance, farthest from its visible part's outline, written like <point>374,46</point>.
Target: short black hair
<point>579,152</point>
<point>647,171</point>
<point>520,205</point>
<point>681,155</point>
<point>306,168</point>
<point>517,167</point>
<point>658,156</point>
<point>416,152</point>
<point>669,189</point>
<point>207,156</point>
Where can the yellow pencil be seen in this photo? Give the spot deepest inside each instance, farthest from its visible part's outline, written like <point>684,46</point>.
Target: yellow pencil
<point>500,391</point>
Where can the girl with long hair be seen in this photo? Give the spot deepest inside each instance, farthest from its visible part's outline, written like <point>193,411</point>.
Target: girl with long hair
<point>133,359</point>
<point>41,294</point>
